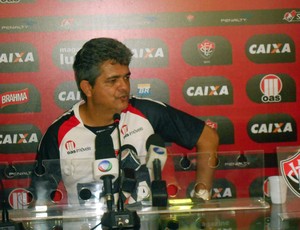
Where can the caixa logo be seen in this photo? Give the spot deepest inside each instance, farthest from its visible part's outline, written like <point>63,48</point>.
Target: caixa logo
<point>67,94</point>
<point>21,138</point>
<point>9,1</point>
<point>18,57</point>
<point>266,128</point>
<point>270,48</point>
<point>208,91</point>
<point>148,53</point>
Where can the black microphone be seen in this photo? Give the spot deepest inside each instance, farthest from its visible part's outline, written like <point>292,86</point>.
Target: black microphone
<point>121,218</point>
<point>155,160</point>
<point>129,157</point>
<point>130,164</point>
<point>106,165</point>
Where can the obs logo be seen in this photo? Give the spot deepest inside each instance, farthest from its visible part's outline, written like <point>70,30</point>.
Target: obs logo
<point>265,128</point>
<point>270,48</point>
<point>271,88</point>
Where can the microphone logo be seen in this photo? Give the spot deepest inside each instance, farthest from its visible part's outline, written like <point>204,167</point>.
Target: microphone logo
<point>159,150</point>
<point>105,166</point>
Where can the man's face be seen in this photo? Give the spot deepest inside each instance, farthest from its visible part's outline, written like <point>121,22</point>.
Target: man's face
<point>112,88</point>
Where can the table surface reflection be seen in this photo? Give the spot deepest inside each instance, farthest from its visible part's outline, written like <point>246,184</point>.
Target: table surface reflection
<point>181,214</point>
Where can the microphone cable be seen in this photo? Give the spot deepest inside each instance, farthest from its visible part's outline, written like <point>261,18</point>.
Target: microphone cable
<point>120,203</point>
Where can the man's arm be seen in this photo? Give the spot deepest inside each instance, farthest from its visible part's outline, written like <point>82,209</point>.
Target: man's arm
<point>207,147</point>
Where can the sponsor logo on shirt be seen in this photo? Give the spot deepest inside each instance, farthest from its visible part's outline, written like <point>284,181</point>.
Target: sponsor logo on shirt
<point>71,147</point>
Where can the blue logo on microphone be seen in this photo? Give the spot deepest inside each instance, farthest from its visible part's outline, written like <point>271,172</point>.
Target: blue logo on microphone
<point>105,166</point>
<point>159,150</point>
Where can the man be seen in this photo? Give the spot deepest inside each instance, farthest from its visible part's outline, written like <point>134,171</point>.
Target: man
<point>103,77</point>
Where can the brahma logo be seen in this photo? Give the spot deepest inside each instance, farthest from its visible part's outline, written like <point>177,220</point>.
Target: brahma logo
<point>271,88</point>
<point>14,98</point>
<point>208,91</point>
<point>270,48</point>
<point>290,169</point>
<point>272,128</point>
<point>19,98</point>
<point>207,50</point>
<point>104,166</point>
<point>18,57</point>
<point>150,53</point>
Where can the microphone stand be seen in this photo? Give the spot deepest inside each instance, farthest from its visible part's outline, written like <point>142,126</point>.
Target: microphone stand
<point>121,218</point>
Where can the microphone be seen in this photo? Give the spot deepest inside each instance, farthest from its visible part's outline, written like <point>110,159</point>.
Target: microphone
<point>121,218</point>
<point>129,158</point>
<point>106,165</point>
<point>130,164</point>
<point>155,160</point>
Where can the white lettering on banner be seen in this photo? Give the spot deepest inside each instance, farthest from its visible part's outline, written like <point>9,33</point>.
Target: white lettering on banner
<point>272,128</point>
<point>207,91</point>
<point>69,96</point>
<point>17,97</point>
<point>270,48</point>
<point>66,60</point>
<point>20,138</point>
<point>148,53</point>
<point>16,57</point>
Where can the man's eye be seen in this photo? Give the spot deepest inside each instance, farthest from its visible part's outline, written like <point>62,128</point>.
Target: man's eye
<point>113,80</point>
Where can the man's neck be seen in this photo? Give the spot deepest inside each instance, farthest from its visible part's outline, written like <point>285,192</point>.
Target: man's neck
<point>95,118</point>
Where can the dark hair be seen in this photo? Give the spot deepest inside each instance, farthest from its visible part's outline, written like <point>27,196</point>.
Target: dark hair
<point>93,54</point>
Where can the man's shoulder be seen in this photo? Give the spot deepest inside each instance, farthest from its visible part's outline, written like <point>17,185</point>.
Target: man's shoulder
<point>67,117</point>
<point>145,102</point>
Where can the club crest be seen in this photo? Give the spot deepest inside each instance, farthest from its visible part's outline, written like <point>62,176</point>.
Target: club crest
<point>290,170</point>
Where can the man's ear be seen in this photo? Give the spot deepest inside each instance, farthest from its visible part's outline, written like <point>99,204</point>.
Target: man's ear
<point>86,88</point>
